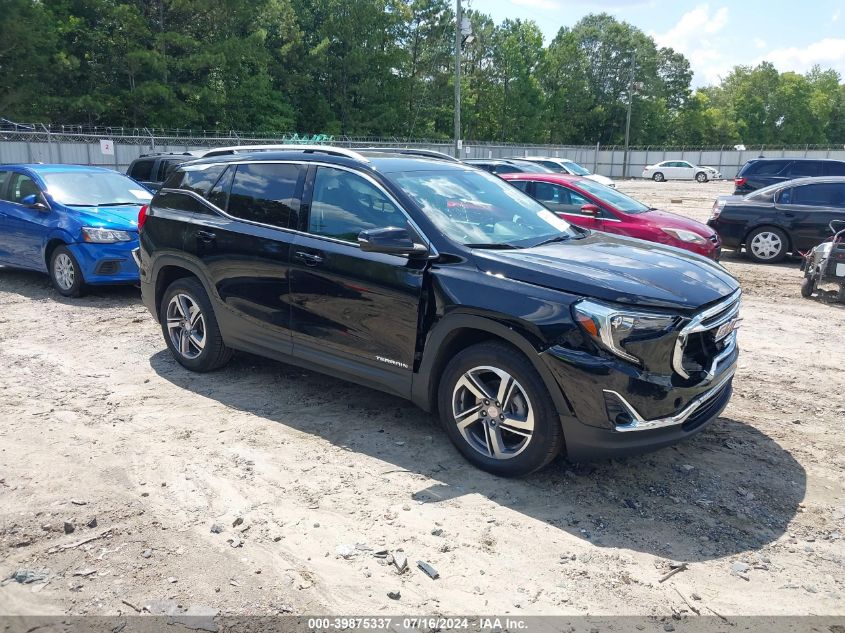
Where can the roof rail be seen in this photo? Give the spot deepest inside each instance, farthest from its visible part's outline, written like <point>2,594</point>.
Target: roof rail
<point>325,149</point>
<point>428,153</point>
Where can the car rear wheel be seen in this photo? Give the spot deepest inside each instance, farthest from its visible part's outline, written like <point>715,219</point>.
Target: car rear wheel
<point>766,245</point>
<point>65,273</point>
<point>190,327</point>
<point>701,177</point>
<point>658,177</point>
<point>496,410</point>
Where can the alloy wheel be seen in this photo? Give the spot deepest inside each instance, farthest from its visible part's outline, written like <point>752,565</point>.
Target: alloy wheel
<point>766,245</point>
<point>64,272</point>
<point>186,326</point>
<point>493,412</point>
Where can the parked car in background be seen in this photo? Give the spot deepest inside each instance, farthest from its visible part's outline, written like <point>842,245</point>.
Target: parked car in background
<point>443,284</point>
<point>678,170</point>
<point>153,169</point>
<point>758,173</point>
<point>78,224</point>
<point>587,203</point>
<point>790,217</point>
<point>506,166</point>
<point>566,166</point>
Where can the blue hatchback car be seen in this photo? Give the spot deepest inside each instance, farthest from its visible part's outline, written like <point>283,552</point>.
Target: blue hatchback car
<point>78,224</point>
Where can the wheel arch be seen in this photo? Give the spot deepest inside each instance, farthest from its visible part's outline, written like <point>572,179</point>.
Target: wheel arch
<point>452,334</point>
<point>166,269</point>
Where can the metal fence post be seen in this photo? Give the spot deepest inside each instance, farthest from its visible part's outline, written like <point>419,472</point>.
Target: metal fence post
<point>596,159</point>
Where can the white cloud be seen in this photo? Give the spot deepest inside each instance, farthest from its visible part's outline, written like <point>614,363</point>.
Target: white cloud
<point>759,43</point>
<point>697,35</point>
<point>827,53</point>
<point>551,5</point>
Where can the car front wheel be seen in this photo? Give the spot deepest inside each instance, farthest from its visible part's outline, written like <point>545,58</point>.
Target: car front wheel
<point>496,410</point>
<point>658,177</point>
<point>766,245</point>
<point>65,272</point>
<point>190,327</point>
<point>701,177</point>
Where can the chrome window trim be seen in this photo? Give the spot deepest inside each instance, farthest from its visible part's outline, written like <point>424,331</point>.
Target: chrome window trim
<point>639,423</point>
<point>730,307</point>
<point>433,253</point>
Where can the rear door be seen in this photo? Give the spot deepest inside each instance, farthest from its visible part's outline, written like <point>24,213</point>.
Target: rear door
<point>353,311</point>
<point>245,250</point>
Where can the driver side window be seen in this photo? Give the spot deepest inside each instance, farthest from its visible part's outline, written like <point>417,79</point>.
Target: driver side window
<point>21,186</point>
<point>344,204</point>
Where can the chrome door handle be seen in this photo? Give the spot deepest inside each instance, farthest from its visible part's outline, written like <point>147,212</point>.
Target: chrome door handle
<point>310,259</point>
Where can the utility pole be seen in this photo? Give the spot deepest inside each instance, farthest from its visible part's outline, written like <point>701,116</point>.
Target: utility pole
<point>458,43</point>
<point>628,120</point>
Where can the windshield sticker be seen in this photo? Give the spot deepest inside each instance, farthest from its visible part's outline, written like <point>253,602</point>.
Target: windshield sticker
<point>551,218</point>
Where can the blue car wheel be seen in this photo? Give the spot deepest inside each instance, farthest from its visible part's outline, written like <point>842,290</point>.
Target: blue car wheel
<point>65,273</point>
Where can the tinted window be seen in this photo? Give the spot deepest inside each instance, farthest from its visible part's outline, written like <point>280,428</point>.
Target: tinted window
<point>821,195</point>
<point>20,187</point>
<point>219,194</point>
<point>179,202</point>
<point>142,170</point>
<point>831,169</point>
<point>766,168</point>
<point>344,204</point>
<point>266,193</point>
<point>507,169</point>
<point>200,181</point>
<point>165,168</point>
<point>805,168</point>
<point>522,185</point>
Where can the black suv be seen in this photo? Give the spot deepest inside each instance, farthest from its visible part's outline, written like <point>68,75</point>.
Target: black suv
<point>762,172</point>
<point>443,284</point>
<point>153,169</point>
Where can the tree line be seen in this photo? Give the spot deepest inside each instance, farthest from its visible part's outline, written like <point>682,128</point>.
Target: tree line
<point>385,68</point>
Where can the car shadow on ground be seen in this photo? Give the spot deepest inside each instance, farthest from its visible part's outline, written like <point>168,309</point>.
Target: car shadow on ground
<point>35,285</point>
<point>730,489</point>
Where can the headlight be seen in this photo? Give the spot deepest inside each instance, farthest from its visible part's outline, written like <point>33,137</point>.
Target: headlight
<point>612,328</point>
<point>104,236</point>
<point>685,236</point>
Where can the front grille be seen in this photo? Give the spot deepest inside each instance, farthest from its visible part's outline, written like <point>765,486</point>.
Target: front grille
<point>697,350</point>
<point>710,408</point>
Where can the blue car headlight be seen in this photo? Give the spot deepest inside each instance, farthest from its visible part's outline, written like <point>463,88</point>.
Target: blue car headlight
<point>96,235</point>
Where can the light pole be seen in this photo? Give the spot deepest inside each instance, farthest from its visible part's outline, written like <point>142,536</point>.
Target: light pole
<point>628,119</point>
<point>463,34</point>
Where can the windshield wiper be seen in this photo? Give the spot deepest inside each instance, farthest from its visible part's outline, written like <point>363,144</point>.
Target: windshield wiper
<point>492,245</point>
<point>557,238</point>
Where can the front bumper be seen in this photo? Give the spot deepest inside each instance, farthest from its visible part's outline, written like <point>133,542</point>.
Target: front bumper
<point>106,263</point>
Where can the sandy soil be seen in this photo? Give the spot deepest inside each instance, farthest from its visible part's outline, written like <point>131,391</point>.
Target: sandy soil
<point>308,478</point>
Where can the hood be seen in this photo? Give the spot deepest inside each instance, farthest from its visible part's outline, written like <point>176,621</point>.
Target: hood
<point>616,269</point>
<point>660,218</point>
<point>122,217</point>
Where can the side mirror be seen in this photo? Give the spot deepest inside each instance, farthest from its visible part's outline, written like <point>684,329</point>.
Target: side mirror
<point>33,201</point>
<point>391,240</point>
<point>590,209</point>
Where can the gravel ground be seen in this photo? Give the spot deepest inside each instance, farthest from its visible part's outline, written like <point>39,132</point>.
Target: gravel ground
<point>266,489</point>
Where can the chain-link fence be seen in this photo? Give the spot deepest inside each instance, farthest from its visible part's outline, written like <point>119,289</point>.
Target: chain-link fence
<point>71,144</point>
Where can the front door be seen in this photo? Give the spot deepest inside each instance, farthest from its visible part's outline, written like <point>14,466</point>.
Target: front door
<point>353,310</point>
<point>22,227</point>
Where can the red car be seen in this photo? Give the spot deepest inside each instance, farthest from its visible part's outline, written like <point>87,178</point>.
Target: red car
<point>590,204</point>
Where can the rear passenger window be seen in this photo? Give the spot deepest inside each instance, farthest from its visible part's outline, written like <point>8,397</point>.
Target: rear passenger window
<point>142,170</point>
<point>345,204</point>
<point>767,168</point>
<point>266,193</point>
<point>805,168</point>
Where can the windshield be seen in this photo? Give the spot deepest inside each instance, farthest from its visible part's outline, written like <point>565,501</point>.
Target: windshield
<point>475,208</point>
<point>576,169</point>
<point>94,188</point>
<point>614,198</point>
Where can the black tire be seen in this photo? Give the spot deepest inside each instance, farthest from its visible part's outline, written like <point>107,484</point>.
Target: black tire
<point>808,286</point>
<point>841,295</point>
<point>757,252</point>
<point>701,177</point>
<point>528,399</point>
<point>658,177</point>
<point>65,273</point>
<point>213,353</point>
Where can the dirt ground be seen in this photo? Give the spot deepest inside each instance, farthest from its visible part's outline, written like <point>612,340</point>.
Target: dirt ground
<point>309,478</point>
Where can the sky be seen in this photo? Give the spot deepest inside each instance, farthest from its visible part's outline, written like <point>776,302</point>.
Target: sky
<point>715,36</point>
